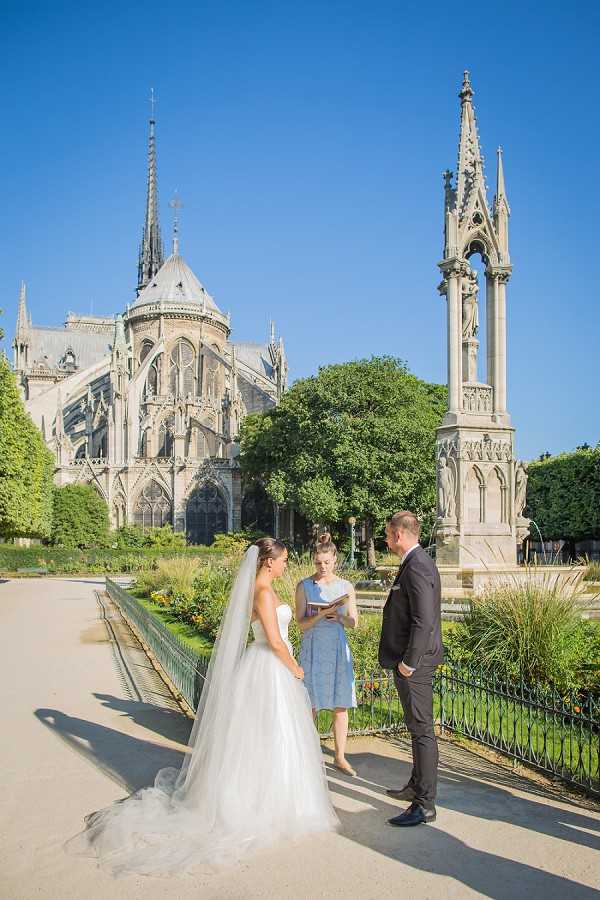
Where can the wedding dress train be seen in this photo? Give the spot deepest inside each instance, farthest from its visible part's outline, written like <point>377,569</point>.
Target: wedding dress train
<point>255,774</point>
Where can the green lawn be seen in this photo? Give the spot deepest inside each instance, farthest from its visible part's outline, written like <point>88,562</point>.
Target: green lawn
<point>186,633</point>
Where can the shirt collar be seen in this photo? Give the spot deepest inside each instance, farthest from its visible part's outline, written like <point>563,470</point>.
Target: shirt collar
<point>407,554</point>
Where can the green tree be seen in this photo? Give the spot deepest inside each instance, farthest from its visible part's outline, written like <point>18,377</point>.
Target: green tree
<point>357,439</point>
<point>26,466</point>
<point>80,517</point>
<point>563,495</point>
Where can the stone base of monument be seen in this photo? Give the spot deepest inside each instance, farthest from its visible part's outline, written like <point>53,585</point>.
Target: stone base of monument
<point>461,584</point>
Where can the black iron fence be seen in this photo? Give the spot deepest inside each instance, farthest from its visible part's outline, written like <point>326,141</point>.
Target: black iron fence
<point>556,734</point>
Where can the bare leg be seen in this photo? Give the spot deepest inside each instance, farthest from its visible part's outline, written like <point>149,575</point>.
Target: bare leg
<point>340,734</point>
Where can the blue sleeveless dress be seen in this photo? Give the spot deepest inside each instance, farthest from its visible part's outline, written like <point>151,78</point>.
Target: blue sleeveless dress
<point>325,655</point>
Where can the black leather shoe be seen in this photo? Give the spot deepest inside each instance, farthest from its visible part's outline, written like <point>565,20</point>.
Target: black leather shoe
<point>414,815</point>
<point>404,793</point>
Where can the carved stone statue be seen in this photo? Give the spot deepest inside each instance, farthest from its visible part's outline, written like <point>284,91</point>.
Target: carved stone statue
<point>470,311</point>
<point>446,490</point>
<point>521,477</point>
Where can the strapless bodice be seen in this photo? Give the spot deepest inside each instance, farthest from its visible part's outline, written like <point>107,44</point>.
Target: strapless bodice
<point>284,617</point>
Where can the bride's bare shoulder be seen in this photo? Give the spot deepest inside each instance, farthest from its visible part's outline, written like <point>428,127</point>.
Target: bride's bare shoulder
<point>264,599</point>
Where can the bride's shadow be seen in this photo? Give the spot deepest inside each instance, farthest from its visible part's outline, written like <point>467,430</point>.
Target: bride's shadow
<point>170,723</point>
<point>130,762</point>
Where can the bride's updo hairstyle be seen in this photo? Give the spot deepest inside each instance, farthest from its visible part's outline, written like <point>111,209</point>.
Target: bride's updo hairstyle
<point>268,548</point>
<point>324,544</point>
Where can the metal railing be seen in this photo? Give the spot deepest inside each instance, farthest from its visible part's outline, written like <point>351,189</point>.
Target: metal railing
<point>536,725</point>
<point>558,735</point>
<point>185,668</point>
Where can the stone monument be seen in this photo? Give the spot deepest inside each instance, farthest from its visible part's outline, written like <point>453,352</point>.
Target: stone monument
<point>481,487</point>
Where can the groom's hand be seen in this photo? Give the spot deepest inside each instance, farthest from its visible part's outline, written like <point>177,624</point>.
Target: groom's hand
<point>405,670</point>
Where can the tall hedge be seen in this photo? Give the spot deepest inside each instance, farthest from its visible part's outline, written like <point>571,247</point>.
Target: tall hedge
<point>26,466</point>
<point>80,517</point>
<point>563,495</point>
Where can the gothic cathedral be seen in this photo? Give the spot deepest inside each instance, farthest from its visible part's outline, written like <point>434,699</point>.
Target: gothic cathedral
<point>146,407</point>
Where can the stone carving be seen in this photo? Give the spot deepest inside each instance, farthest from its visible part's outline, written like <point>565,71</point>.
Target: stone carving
<point>446,490</point>
<point>470,311</point>
<point>500,451</point>
<point>521,478</point>
<point>477,398</point>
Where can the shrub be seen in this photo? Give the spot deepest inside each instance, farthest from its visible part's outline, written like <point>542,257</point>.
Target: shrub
<point>164,538</point>
<point>527,630</point>
<point>232,543</point>
<point>211,590</point>
<point>80,517</point>
<point>129,537</point>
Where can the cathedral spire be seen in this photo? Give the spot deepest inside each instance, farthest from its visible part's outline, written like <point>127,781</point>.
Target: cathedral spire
<point>151,251</point>
<point>470,161</point>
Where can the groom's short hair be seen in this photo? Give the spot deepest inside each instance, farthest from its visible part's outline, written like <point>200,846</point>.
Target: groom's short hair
<point>406,521</point>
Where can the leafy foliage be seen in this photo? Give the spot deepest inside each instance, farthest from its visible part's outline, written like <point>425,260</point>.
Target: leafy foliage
<point>80,517</point>
<point>357,440</point>
<point>26,466</point>
<point>527,629</point>
<point>563,495</point>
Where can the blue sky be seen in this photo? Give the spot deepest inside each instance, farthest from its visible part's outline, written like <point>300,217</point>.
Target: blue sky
<point>307,142</point>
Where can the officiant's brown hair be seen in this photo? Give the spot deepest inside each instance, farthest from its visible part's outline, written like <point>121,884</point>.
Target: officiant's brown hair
<point>324,544</point>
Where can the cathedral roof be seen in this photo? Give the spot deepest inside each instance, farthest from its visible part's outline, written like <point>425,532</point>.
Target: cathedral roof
<point>256,357</point>
<point>175,283</point>
<point>49,347</point>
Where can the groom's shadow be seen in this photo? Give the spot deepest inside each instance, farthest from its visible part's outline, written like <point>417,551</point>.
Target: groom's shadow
<point>433,849</point>
<point>130,762</point>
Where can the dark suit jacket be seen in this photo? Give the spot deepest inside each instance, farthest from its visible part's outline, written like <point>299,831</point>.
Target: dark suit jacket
<point>411,631</point>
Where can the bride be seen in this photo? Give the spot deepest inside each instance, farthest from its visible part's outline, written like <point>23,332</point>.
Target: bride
<point>253,774</point>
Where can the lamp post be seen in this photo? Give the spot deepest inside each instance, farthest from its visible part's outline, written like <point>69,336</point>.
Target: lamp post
<point>351,523</point>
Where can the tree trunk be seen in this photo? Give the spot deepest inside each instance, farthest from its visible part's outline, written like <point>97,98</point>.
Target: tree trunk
<point>371,560</point>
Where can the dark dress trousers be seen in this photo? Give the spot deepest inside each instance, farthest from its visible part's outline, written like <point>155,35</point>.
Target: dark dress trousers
<point>411,632</point>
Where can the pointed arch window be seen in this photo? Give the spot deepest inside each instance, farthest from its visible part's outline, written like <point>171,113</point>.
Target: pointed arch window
<point>145,350</point>
<point>181,369</point>
<point>165,437</point>
<point>153,507</point>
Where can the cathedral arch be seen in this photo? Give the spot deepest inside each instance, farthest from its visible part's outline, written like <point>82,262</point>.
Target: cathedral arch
<point>119,511</point>
<point>145,349</point>
<point>205,513</point>
<point>182,375</point>
<point>165,437</point>
<point>153,507</point>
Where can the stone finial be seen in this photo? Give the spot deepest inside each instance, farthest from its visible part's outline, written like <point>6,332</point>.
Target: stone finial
<point>466,91</point>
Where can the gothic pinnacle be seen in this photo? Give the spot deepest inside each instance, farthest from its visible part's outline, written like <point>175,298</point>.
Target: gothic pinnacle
<point>466,91</point>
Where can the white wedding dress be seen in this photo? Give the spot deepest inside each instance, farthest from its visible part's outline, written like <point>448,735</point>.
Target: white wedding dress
<point>255,774</point>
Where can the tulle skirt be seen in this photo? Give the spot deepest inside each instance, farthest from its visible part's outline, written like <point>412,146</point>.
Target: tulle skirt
<point>271,786</point>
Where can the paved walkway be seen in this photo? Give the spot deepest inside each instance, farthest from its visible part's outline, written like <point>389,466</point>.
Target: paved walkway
<point>86,719</point>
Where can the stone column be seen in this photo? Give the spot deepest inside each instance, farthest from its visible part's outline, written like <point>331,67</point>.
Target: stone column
<point>500,363</point>
<point>491,292</point>
<point>454,343</point>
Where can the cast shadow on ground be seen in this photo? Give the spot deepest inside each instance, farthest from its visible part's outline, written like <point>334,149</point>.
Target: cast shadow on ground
<point>133,764</point>
<point>129,761</point>
<point>433,849</point>
<point>170,723</point>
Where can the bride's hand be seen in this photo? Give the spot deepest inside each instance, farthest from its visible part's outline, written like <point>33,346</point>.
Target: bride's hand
<point>298,673</point>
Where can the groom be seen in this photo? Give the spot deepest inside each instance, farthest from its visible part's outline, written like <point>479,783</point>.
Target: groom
<point>411,645</point>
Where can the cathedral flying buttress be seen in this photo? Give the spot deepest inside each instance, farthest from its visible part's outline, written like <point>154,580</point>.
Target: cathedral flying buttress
<point>147,406</point>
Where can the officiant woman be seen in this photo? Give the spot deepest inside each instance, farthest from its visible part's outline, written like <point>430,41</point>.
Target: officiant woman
<point>325,655</point>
